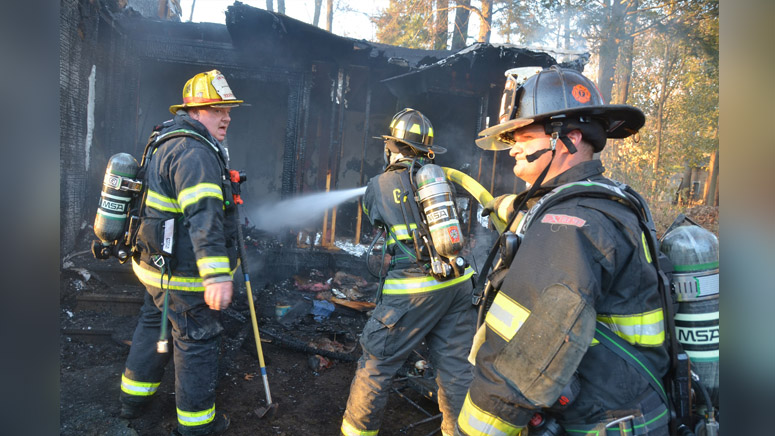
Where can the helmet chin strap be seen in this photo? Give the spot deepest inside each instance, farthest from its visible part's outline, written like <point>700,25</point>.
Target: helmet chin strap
<point>553,141</point>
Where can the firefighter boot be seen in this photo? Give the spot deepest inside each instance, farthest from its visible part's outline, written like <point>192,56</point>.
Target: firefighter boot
<point>219,424</point>
<point>132,410</point>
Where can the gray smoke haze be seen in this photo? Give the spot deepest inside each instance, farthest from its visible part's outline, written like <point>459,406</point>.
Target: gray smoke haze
<point>299,211</point>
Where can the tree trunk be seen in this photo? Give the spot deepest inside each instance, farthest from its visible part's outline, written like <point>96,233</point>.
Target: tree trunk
<point>316,18</point>
<point>710,196</point>
<point>682,193</point>
<point>270,5</point>
<point>193,5</point>
<point>661,102</point>
<point>329,14</point>
<point>281,6</point>
<point>485,28</point>
<point>441,26</point>
<point>566,25</point>
<point>609,47</point>
<point>624,66</point>
<point>460,34</point>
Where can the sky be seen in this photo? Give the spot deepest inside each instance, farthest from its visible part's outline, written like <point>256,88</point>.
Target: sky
<point>353,24</point>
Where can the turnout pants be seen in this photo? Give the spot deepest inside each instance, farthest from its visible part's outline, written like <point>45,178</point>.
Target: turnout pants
<point>446,319</point>
<point>195,331</point>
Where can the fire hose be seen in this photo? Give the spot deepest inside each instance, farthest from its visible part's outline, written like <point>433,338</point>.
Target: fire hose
<point>477,190</point>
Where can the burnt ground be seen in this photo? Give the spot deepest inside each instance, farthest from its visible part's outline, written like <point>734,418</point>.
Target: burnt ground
<point>310,362</point>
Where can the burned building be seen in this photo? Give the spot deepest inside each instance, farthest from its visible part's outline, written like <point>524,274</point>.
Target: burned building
<point>317,102</point>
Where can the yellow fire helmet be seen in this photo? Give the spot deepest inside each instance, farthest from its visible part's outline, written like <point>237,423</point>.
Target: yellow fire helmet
<point>207,89</point>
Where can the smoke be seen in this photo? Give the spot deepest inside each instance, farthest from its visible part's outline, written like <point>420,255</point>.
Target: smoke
<point>300,211</point>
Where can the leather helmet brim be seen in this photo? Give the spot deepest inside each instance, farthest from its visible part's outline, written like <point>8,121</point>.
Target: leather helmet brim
<point>436,149</point>
<point>621,121</point>
<point>226,103</point>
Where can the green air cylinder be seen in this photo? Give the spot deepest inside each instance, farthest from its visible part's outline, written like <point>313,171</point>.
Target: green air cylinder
<point>694,252</point>
<point>118,188</point>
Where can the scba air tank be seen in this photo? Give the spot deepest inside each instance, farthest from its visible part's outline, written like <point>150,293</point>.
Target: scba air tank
<point>118,188</point>
<point>435,197</point>
<point>694,253</point>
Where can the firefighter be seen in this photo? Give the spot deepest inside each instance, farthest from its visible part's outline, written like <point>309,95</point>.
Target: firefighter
<point>185,186</point>
<point>414,306</point>
<point>581,263</point>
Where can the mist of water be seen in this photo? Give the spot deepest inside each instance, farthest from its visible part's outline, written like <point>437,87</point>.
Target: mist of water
<point>299,211</point>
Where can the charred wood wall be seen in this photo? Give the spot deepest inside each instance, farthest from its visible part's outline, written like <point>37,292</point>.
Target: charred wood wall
<point>313,114</point>
<point>78,59</point>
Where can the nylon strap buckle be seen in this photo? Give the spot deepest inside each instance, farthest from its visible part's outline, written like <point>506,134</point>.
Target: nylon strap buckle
<point>625,424</point>
<point>158,261</point>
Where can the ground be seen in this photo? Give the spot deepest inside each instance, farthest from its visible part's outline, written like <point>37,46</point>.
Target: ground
<point>310,390</point>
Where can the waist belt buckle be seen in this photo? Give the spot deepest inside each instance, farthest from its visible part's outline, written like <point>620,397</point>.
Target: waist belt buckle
<point>158,261</point>
<point>624,424</point>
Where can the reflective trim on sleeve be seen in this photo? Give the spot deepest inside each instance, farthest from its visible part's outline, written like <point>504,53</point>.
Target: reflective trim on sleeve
<point>190,419</point>
<point>157,201</point>
<point>193,194</point>
<point>350,430</point>
<point>644,329</point>
<point>140,389</point>
<point>400,232</point>
<point>645,246</point>
<point>421,284</point>
<point>213,265</point>
<point>474,421</point>
<point>506,316</point>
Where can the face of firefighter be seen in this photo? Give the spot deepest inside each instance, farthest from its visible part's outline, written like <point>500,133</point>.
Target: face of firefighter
<point>215,118</point>
<point>533,138</point>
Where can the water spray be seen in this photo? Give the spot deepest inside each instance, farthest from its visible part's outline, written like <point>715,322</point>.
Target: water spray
<point>301,210</point>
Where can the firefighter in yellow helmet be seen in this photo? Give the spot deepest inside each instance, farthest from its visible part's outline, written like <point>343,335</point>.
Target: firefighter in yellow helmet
<point>415,305</point>
<point>187,253</point>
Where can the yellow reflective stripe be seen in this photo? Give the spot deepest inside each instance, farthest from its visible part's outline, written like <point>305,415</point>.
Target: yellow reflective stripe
<point>178,283</point>
<point>474,421</point>
<point>400,232</point>
<point>421,284</point>
<point>399,128</point>
<point>645,246</point>
<point>160,202</point>
<point>645,329</point>
<point>140,389</point>
<point>350,430</point>
<point>213,265</point>
<point>506,316</point>
<point>196,418</point>
<point>430,131</point>
<point>193,194</point>
<point>416,129</point>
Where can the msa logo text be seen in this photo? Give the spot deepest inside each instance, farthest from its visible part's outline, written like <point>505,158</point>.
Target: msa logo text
<point>438,215</point>
<point>705,335</point>
<point>111,205</point>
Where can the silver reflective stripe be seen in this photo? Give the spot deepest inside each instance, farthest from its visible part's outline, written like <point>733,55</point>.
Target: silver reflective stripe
<point>422,284</point>
<point>142,389</point>
<point>196,418</point>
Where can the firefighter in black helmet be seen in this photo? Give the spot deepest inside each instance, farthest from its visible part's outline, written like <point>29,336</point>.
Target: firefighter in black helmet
<point>582,263</point>
<point>414,305</point>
